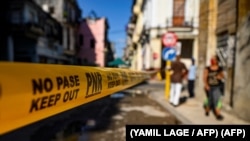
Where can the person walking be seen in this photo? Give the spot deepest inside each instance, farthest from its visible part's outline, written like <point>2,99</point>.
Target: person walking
<point>213,75</point>
<point>178,73</point>
<point>191,79</point>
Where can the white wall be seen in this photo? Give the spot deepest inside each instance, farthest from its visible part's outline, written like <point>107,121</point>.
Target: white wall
<point>162,10</point>
<point>157,12</point>
<point>196,13</point>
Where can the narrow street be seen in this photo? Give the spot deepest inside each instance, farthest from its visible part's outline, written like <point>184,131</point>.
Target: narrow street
<point>132,106</point>
<point>101,120</point>
<point>59,58</point>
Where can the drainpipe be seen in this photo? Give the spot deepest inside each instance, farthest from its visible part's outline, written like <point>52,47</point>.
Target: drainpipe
<point>234,55</point>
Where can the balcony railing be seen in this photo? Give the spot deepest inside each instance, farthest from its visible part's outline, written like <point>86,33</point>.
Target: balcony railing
<point>179,22</point>
<point>28,27</point>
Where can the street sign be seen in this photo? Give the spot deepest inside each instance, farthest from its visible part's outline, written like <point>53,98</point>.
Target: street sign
<point>169,39</point>
<point>168,54</point>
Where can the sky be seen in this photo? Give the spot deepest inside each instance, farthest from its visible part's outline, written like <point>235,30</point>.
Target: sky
<point>117,13</point>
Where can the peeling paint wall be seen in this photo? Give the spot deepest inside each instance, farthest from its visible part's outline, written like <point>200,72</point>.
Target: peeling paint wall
<point>241,96</point>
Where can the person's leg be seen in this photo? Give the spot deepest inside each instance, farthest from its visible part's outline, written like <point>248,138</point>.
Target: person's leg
<point>208,101</point>
<point>172,91</point>
<point>217,103</point>
<point>206,106</point>
<point>191,88</point>
<point>193,83</point>
<point>177,93</point>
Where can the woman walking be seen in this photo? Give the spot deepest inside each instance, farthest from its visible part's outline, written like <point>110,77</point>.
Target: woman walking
<point>213,76</point>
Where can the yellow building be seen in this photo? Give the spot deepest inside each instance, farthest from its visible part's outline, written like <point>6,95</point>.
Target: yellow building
<point>207,37</point>
<point>135,26</point>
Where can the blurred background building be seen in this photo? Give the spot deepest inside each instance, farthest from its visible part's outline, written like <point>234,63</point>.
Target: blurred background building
<point>204,28</point>
<point>30,34</point>
<point>53,31</point>
<point>95,48</point>
<point>150,20</point>
<point>68,13</point>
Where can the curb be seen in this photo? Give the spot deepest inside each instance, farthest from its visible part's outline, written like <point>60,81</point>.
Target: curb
<point>170,108</point>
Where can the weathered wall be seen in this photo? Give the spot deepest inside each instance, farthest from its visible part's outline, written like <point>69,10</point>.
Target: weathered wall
<point>243,9</point>
<point>226,16</point>
<point>242,78</point>
<point>226,30</point>
<point>202,43</point>
<point>203,31</point>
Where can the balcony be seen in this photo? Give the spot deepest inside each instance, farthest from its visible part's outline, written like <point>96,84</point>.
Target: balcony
<point>73,19</point>
<point>178,24</point>
<point>130,29</point>
<point>28,28</point>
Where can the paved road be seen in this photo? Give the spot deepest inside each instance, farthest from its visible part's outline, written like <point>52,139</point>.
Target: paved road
<point>133,106</point>
<point>101,120</point>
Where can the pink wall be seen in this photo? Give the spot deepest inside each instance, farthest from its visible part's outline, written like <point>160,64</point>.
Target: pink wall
<point>95,30</point>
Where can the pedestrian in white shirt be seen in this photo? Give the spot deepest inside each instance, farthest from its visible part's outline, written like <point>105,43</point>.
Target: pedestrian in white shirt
<point>191,79</point>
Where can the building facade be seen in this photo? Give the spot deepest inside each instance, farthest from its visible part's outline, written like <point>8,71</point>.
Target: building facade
<point>31,35</point>
<point>241,86</point>
<point>95,48</point>
<point>134,48</point>
<point>207,40</point>
<point>153,20</point>
<point>68,13</point>
<point>224,24</point>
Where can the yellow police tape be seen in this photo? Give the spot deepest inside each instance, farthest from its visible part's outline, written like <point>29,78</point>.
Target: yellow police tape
<point>31,92</point>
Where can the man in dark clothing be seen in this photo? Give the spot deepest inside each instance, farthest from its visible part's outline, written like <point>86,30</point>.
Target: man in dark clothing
<point>179,72</point>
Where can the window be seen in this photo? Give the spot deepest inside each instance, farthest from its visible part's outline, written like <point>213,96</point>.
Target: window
<point>179,7</point>
<point>85,60</point>
<point>222,47</point>
<point>186,48</point>
<point>68,38</point>
<point>51,9</point>
<point>32,16</point>
<point>73,15</point>
<point>16,16</point>
<point>81,39</point>
<point>92,43</point>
